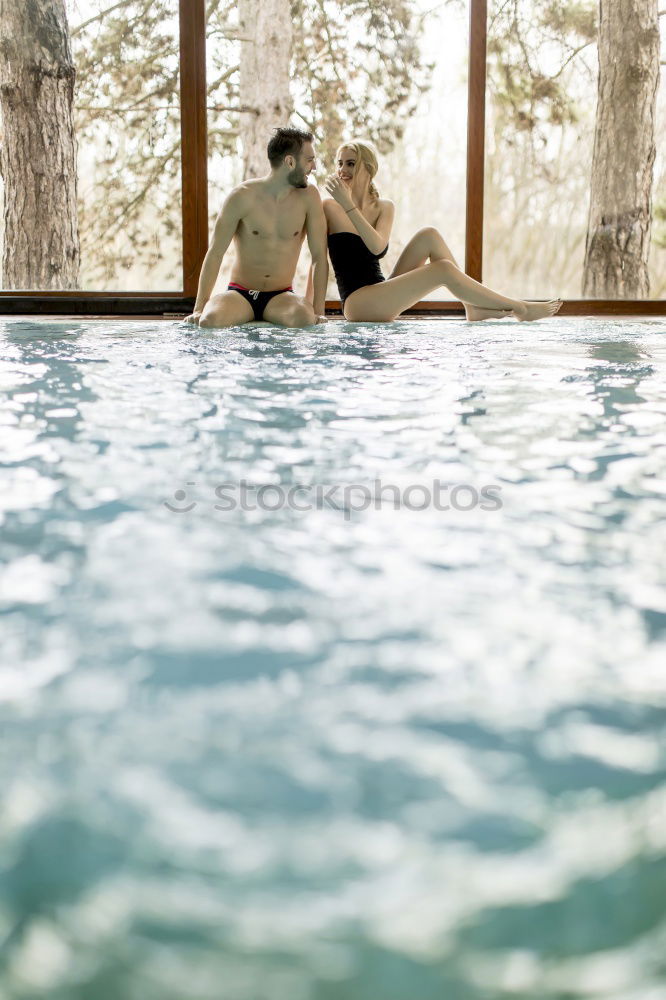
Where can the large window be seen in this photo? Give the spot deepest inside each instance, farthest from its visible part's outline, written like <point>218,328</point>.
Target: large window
<point>101,196</point>
<point>92,199</point>
<point>224,119</point>
<point>425,172</point>
<point>345,71</point>
<point>541,175</point>
<point>127,118</point>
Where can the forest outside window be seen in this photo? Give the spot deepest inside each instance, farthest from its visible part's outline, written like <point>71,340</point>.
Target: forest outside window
<point>90,157</point>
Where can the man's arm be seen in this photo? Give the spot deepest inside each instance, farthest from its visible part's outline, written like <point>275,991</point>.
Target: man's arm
<point>225,227</point>
<point>316,232</point>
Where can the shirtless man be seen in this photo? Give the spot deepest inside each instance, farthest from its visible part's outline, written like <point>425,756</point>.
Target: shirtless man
<point>268,219</point>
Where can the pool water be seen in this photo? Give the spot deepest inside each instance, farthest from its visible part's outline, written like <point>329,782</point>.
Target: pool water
<point>333,661</point>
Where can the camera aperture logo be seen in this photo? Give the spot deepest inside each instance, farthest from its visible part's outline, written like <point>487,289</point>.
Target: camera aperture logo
<point>348,498</point>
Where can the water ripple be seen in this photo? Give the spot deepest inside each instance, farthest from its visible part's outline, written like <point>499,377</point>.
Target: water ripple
<point>392,739</point>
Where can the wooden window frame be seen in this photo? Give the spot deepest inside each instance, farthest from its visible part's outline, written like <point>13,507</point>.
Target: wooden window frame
<point>194,184</point>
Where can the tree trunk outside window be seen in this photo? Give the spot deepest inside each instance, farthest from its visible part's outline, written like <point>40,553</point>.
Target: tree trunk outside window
<point>38,148</point>
<point>618,235</point>
<point>266,42</point>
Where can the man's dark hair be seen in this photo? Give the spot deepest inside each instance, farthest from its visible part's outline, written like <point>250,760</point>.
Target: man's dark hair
<point>286,142</point>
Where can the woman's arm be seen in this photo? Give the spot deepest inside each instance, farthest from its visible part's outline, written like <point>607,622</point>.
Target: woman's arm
<point>375,238</point>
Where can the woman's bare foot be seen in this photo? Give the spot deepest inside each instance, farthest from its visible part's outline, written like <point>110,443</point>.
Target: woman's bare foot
<point>537,310</point>
<point>476,313</point>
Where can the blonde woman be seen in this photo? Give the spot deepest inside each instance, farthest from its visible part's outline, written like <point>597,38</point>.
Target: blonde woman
<point>359,227</point>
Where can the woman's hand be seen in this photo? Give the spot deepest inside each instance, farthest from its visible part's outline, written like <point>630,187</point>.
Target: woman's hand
<point>340,191</point>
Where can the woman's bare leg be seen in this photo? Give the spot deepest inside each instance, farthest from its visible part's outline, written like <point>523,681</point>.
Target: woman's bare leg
<point>425,246</point>
<point>381,303</point>
<point>428,245</point>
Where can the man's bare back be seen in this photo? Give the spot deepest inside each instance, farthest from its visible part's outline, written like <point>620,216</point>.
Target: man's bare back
<point>267,220</point>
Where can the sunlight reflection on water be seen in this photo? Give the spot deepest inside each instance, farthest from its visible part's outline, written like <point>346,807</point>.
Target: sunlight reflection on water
<point>333,753</point>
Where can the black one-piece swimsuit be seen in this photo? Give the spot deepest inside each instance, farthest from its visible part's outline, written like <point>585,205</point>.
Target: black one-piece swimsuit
<point>355,266</point>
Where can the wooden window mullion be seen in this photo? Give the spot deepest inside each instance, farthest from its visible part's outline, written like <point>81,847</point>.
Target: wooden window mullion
<point>194,144</point>
<point>476,127</point>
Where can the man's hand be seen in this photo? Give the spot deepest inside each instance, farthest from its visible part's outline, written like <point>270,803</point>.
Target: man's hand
<point>340,191</point>
<point>194,318</point>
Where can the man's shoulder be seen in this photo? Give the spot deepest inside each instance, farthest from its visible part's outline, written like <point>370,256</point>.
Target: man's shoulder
<point>312,194</point>
<point>236,199</point>
<point>246,189</point>
<point>243,198</point>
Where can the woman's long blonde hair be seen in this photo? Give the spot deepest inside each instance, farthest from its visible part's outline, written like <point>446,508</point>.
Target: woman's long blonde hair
<point>365,154</point>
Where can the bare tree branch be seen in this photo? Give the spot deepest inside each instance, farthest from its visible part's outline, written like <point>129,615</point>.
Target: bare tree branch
<point>98,17</point>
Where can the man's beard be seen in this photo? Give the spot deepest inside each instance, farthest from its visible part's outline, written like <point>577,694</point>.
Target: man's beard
<point>297,178</point>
